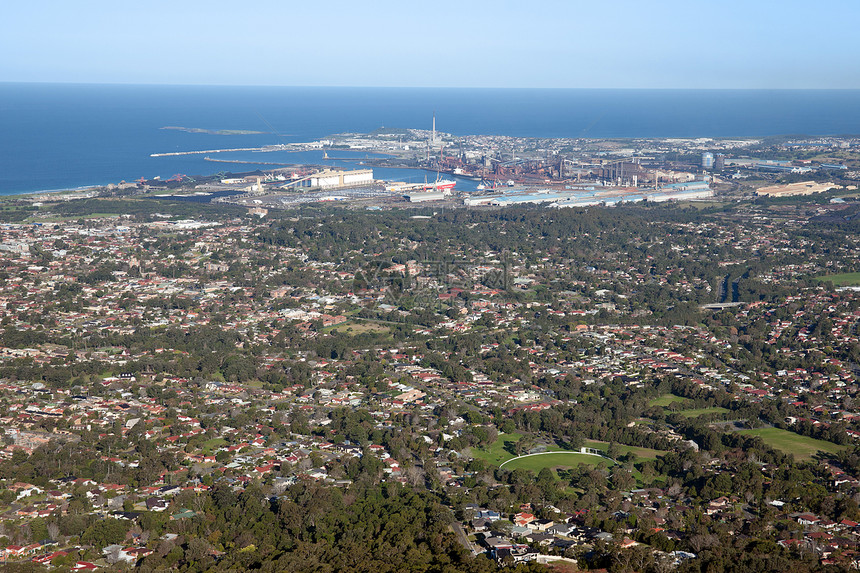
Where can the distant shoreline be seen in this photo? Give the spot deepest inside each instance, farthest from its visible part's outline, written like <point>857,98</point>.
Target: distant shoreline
<point>214,131</point>
<point>70,137</point>
<point>22,194</point>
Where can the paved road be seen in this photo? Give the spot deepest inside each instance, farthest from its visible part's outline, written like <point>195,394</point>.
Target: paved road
<point>461,535</point>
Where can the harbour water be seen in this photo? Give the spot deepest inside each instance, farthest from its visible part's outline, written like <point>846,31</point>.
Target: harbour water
<point>62,136</point>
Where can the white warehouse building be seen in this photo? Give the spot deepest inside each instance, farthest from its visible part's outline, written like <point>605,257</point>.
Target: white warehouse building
<point>330,178</point>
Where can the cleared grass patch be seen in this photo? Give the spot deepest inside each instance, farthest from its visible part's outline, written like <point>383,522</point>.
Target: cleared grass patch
<point>704,204</point>
<point>355,328</point>
<point>500,452</point>
<point>669,399</point>
<point>802,447</point>
<point>210,446</point>
<point>496,453</point>
<point>640,453</point>
<point>536,462</point>
<point>844,279</point>
<point>696,412</point>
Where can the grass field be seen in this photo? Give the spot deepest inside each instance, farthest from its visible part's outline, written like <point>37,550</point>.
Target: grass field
<point>537,462</point>
<point>845,279</point>
<point>640,453</point>
<point>802,447</point>
<point>495,454</point>
<point>705,204</point>
<point>210,446</point>
<point>702,411</point>
<point>667,400</point>
<point>355,328</point>
<point>554,458</point>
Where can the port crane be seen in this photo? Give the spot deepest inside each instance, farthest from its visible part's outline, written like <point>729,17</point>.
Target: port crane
<point>179,177</point>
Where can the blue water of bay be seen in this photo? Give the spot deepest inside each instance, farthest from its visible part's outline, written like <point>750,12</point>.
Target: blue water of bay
<point>62,136</point>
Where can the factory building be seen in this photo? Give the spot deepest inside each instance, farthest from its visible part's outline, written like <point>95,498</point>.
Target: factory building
<point>682,191</point>
<point>683,194</point>
<point>421,197</point>
<point>623,172</point>
<point>330,178</point>
<point>584,197</point>
<point>686,186</point>
<point>480,200</point>
<point>578,202</point>
<point>772,166</point>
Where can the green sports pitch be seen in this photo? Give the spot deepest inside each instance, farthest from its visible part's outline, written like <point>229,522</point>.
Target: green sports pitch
<point>844,279</point>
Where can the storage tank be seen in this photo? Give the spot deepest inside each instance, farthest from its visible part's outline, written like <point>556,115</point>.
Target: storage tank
<point>708,160</point>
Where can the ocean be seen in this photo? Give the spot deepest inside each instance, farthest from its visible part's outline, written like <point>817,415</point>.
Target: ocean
<point>64,136</point>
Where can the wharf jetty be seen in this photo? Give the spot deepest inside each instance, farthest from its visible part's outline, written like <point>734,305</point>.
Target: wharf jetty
<point>205,151</point>
<point>291,148</point>
<point>249,162</point>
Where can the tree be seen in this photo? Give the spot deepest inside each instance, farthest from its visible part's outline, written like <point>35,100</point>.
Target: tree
<point>197,549</point>
<point>612,451</point>
<point>502,526</point>
<point>545,479</point>
<point>105,532</point>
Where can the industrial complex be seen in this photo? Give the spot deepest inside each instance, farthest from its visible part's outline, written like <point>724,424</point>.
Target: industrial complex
<point>500,171</point>
<point>347,185</point>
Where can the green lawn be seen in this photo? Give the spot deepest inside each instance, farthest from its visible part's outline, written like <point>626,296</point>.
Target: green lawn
<point>802,447</point>
<point>356,328</point>
<point>668,399</point>
<point>702,411</point>
<point>666,402</point>
<point>640,453</point>
<point>210,446</point>
<point>537,462</point>
<point>845,279</point>
<point>495,454</point>
<point>704,204</point>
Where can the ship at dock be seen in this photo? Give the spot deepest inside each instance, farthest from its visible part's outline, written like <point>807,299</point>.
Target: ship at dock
<point>443,185</point>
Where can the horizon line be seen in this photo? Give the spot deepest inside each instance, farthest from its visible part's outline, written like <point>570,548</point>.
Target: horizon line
<point>311,86</point>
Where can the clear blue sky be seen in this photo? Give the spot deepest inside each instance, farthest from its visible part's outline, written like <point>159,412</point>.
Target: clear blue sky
<point>537,43</point>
